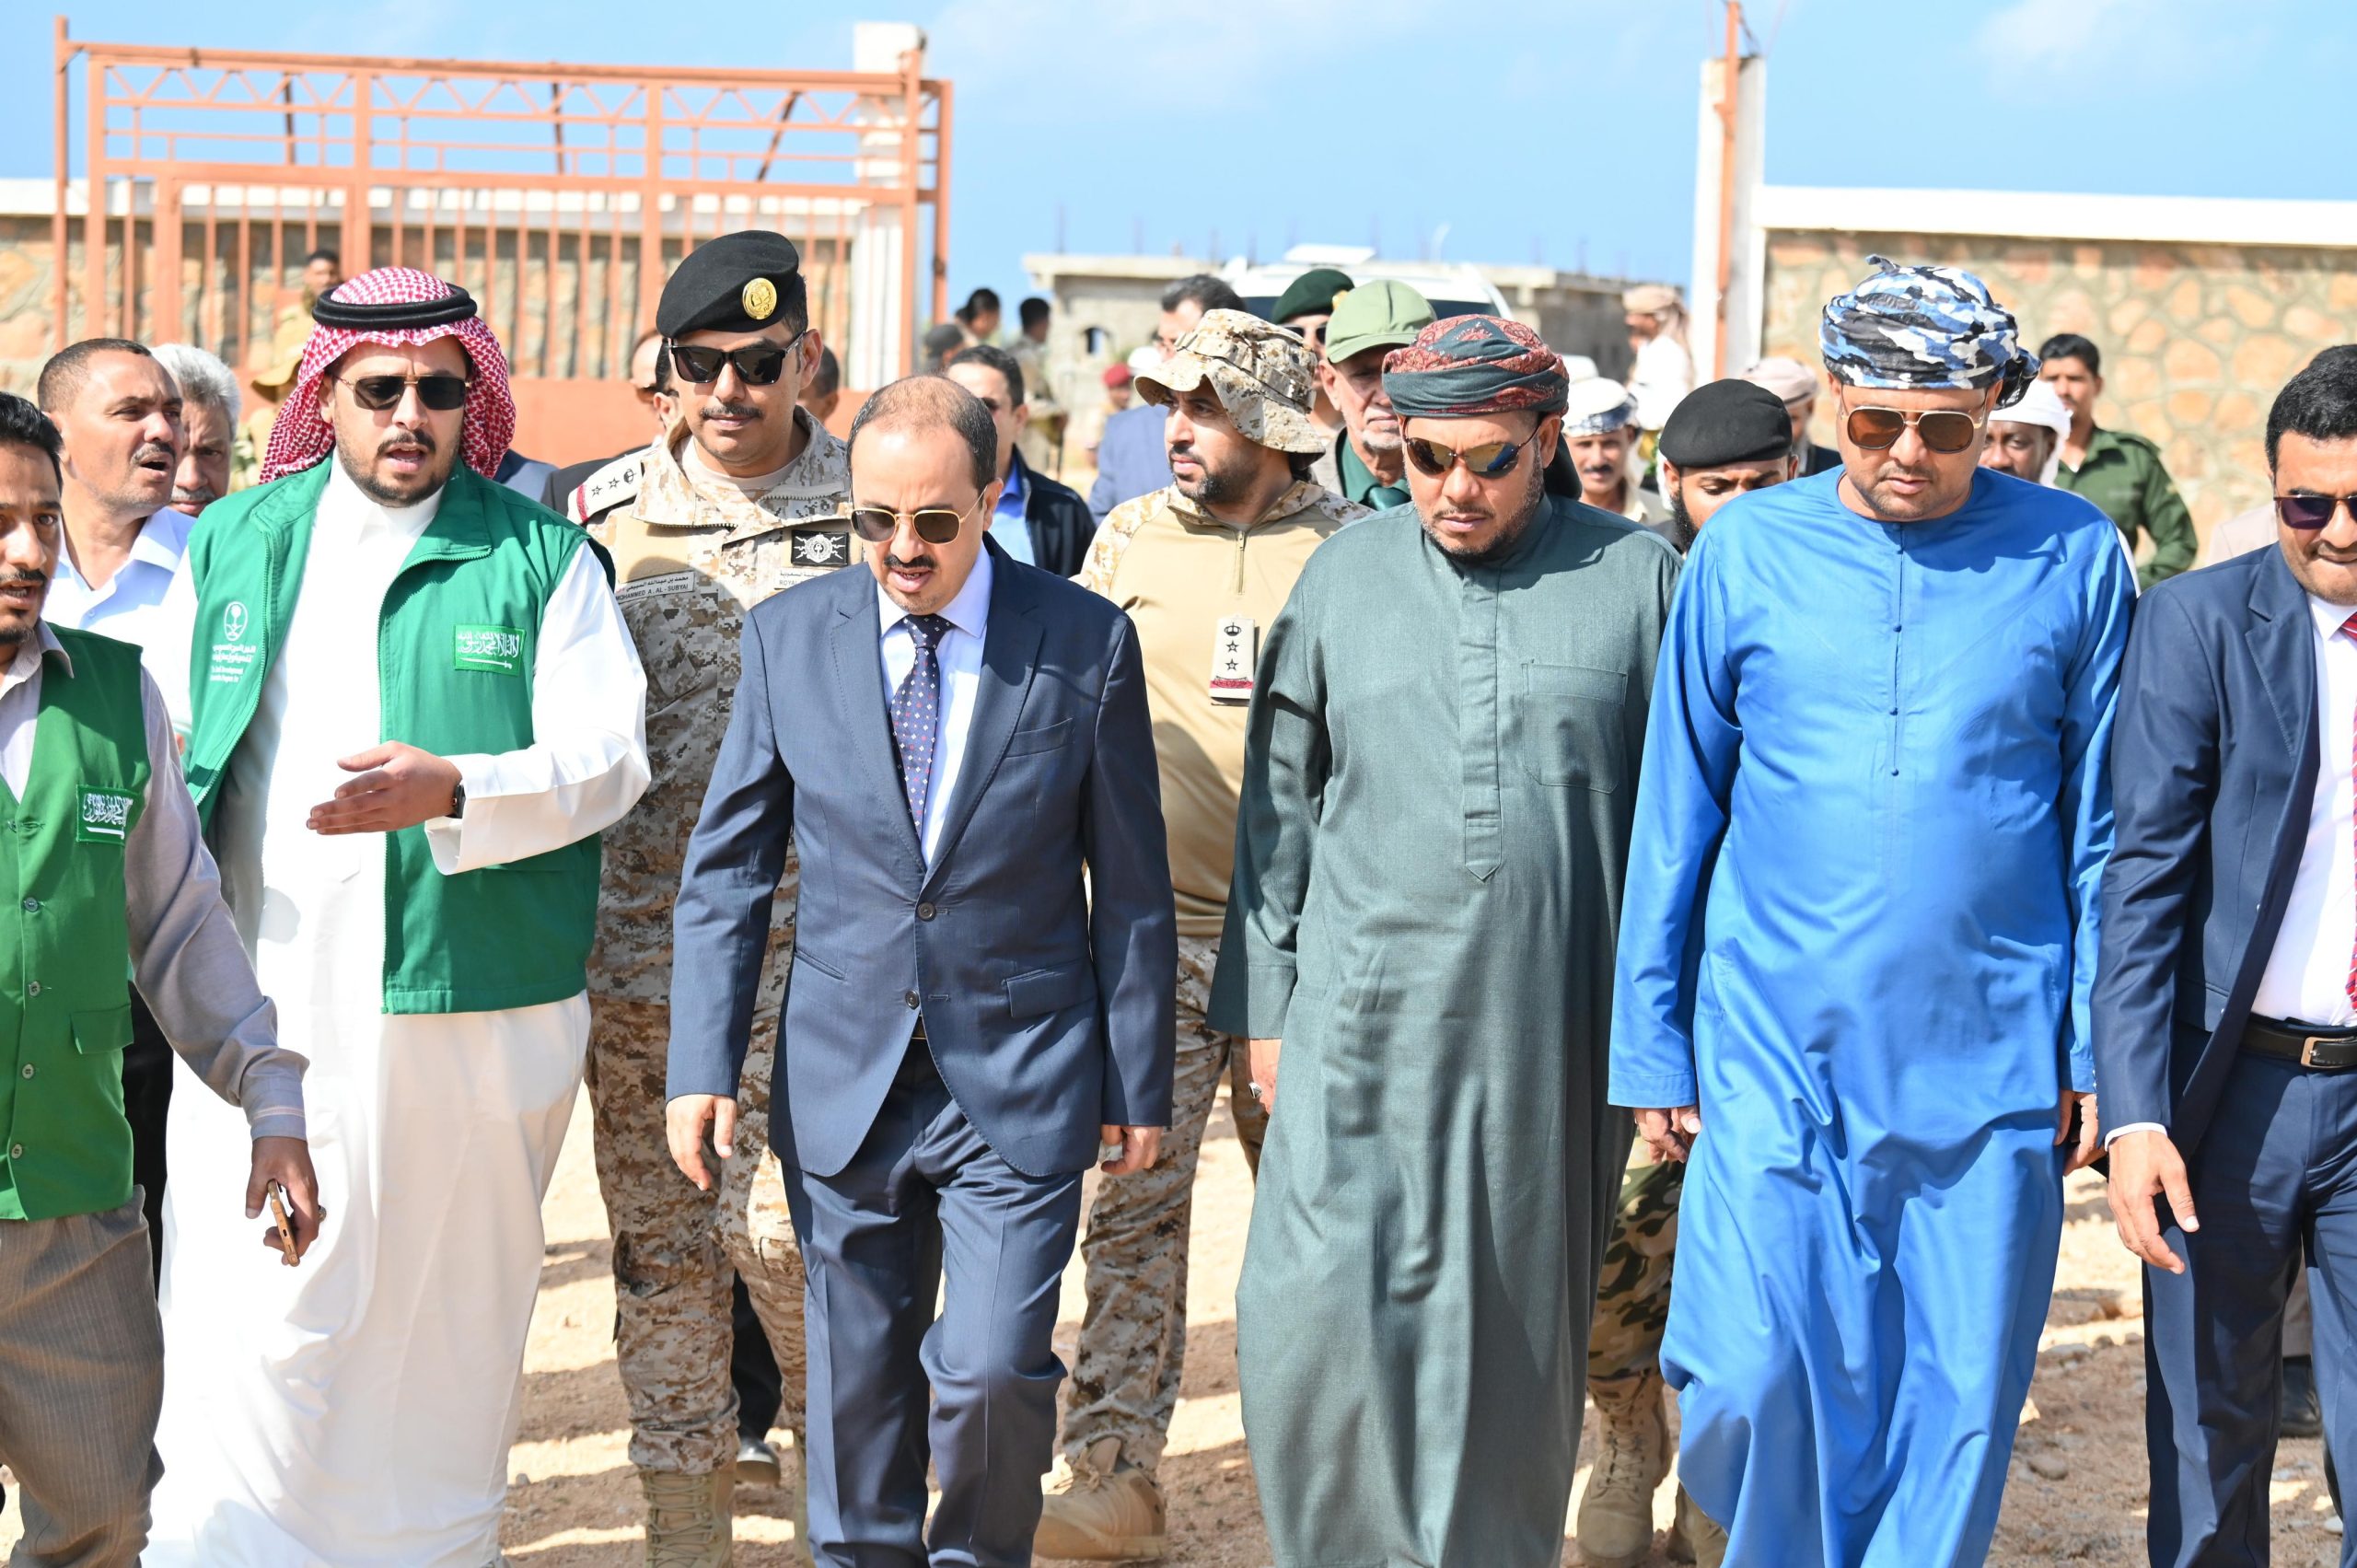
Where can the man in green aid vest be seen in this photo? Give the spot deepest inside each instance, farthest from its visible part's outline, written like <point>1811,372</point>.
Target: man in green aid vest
<point>414,708</point>
<point>104,871</point>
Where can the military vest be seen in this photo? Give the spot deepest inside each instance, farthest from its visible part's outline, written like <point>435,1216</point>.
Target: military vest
<point>455,640</point>
<point>65,963</point>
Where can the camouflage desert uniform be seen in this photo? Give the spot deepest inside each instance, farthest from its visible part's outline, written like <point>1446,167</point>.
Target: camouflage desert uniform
<point>1131,1353</point>
<point>688,566</point>
<point>1633,1290</point>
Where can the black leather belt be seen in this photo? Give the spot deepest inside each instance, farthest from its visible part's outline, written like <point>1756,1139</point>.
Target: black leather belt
<point>2327,1051</point>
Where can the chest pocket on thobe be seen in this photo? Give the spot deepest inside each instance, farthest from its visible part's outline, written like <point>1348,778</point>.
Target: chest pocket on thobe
<point>1570,720</point>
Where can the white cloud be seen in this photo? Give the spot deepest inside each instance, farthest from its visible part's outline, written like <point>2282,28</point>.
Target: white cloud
<point>2131,45</point>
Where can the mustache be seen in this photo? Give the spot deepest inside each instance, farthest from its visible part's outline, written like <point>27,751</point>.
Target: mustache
<point>22,576</point>
<point>154,449</point>
<point>419,440</point>
<point>730,410</point>
<point>204,495</point>
<point>909,564</point>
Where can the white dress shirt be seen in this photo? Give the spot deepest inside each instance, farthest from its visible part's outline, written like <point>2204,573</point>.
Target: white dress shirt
<point>130,607</point>
<point>185,951</point>
<point>2306,978</point>
<point>961,653</point>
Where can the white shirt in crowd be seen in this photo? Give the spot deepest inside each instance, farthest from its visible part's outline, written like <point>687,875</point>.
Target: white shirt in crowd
<point>961,653</point>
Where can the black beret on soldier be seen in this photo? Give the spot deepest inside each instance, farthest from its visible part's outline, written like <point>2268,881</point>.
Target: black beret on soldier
<point>739,283</point>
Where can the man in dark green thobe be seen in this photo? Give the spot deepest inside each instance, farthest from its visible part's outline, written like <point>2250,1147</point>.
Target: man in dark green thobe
<point>1438,785</point>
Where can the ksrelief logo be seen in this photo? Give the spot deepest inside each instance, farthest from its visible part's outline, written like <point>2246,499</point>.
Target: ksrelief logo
<point>105,816</point>
<point>233,622</point>
<point>496,648</point>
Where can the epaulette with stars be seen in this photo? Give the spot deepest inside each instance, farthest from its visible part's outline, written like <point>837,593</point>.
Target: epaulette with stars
<point>606,489</point>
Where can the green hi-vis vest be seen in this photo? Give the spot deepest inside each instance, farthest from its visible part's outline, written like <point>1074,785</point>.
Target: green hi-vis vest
<point>65,963</point>
<point>455,644</point>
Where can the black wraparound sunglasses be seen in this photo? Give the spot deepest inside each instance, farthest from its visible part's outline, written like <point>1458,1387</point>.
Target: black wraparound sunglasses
<point>758,364</point>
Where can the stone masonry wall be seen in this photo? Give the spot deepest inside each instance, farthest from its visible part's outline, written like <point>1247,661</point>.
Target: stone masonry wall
<point>2196,339</point>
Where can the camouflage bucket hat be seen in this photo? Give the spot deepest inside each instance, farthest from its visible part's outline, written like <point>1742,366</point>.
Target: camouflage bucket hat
<point>1259,372</point>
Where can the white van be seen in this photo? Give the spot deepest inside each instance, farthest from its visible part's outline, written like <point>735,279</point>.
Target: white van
<point>1454,288</point>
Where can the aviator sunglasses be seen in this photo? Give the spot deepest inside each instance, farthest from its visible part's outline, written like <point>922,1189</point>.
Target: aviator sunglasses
<point>1487,460</point>
<point>1944,431</point>
<point>440,392</point>
<point>758,364</point>
<point>935,524</point>
<point>2313,512</point>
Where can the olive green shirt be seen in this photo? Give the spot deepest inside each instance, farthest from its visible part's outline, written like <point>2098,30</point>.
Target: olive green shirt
<point>2123,475</point>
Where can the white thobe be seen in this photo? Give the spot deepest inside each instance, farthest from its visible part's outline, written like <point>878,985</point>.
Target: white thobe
<point>358,1410</point>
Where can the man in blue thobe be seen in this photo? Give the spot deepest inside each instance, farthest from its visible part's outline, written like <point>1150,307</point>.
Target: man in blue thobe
<point>1858,943</point>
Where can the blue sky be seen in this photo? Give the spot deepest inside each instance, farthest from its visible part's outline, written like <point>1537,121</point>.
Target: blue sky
<point>1561,130</point>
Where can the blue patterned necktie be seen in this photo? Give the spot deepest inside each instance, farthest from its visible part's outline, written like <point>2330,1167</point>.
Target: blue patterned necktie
<point>916,714</point>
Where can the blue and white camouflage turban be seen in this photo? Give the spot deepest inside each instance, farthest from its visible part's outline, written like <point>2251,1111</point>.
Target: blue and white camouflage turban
<point>1924,327</point>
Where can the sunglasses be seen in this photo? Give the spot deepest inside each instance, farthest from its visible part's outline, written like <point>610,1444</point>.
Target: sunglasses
<point>1946,431</point>
<point>440,392</point>
<point>935,524</point>
<point>758,364</point>
<point>1487,460</point>
<point>2313,512</point>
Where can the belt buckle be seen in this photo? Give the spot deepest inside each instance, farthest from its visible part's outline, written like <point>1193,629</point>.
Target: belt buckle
<point>2308,1051</point>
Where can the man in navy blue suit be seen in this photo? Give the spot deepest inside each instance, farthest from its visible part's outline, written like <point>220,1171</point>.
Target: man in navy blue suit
<point>951,744</point>
<point>2225,1007</point>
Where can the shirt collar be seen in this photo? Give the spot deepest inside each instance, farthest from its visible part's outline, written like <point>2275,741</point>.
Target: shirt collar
<point>970,612</point>
<point>28,660</point>
<point>2329,616</point>
<point>1011,499</point>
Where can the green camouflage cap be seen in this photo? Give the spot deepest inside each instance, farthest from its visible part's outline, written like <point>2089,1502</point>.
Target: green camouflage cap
<point>1260,372</point>
<point>1381,314</point>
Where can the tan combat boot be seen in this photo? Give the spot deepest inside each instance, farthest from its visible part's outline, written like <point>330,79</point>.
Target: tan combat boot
<point>1107,1511</point>
<point>1695,1537</point>
<point>688,1517</point>
<point>1615,1521</point>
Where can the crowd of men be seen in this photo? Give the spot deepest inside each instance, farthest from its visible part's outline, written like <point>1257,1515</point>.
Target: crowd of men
<point>887,835</point>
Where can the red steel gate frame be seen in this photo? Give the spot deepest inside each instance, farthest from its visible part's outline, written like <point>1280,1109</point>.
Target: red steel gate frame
<point>460,166</point>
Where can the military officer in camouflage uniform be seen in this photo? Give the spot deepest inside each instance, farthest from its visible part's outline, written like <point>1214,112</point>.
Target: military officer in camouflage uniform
<point>1200,566</point>
<point>737,502</point>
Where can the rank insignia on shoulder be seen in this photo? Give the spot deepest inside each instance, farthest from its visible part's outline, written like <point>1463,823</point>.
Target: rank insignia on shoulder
<point>609,487</point>
<point>822,547</point>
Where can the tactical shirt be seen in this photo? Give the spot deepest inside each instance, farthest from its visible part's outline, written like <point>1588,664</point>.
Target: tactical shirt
<point>1182,575</point>
<point>2122,474</point>
<point>690,561</point>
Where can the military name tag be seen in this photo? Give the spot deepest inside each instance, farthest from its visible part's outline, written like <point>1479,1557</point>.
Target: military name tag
<point>1236,645</point>
<point>499,649</point>
<point>815,548</point>
<point>105,815</point>
<point>661,586</point>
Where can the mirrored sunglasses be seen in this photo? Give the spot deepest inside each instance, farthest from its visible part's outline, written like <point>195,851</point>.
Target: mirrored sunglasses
<point>1946,431</point>
<point>1487,460</point>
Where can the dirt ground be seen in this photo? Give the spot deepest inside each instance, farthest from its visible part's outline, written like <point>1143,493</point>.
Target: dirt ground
<point>2076,1494</point>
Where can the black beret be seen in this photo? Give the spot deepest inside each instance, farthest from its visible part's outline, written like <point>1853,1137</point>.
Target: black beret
<point>738,283</point>
<point>1727,421</point>
<point>1311,293</point>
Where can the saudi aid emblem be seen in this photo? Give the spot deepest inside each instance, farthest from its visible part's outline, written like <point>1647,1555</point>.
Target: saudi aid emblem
<point>233,622</point>
<point>232,655</point>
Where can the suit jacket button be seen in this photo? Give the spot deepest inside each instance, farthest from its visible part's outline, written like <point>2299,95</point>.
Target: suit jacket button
<point>925,911</point>
<point>910,997</point>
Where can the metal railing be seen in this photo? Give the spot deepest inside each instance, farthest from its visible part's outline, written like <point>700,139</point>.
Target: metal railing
<point>560,195</point>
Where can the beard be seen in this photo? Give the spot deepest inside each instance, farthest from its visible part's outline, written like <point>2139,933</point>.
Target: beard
<point>360,463</point>
<point>1219,484</point>
<point>1513,525</point>
<point>1681,521</point>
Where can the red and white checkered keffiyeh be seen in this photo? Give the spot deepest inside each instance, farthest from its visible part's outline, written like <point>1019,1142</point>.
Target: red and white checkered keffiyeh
<point>299,439</point>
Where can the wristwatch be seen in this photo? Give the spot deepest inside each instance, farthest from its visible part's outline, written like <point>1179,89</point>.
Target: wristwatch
<point>458,800</point>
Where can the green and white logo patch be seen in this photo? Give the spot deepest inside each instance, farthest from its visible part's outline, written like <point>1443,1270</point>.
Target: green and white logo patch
<point>106,816</point>
<point>496,648</point>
